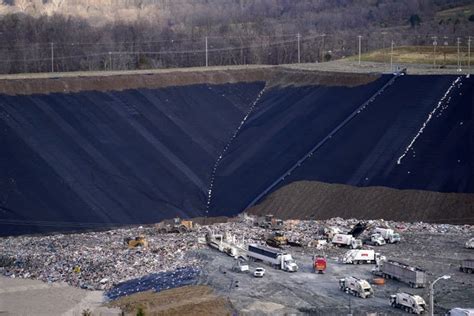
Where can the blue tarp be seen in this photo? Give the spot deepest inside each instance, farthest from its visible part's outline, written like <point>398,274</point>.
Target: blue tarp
<point>156,282</point>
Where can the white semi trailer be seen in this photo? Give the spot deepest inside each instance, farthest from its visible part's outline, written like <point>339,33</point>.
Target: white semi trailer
<point>273,256</point>
<point>388,234</point>
<point>347,240</point>
<point>356,287</point>
<point>390,269</point>
<point>408,302</point>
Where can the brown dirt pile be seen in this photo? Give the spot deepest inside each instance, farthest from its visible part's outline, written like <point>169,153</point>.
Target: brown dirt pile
<point>186,300</point>
<point>316,200</point>
<point>63,83</point>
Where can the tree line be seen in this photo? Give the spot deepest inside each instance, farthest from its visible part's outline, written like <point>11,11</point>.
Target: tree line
<point>40,36</point>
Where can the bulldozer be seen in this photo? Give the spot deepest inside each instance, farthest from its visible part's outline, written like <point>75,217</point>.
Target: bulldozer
<point>277,239</point>
<point>177,225</point>
<point>139,241</point>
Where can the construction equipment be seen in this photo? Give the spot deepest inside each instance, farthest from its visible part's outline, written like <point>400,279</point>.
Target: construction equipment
<point>408,302</point>
<point>470,243</point>
<point>273,256</point>
<point>177,225</point>
<point>358,256</point>
<point>358,229</point>
<point>356,287</point>
<point>139,241</point>
<point>346,240</point>
<point>467,266</point>
<point>388,234</point>
<point>320,264</point>
<point>413,276</point>
<point>277,239</point>
<point>270,222</point>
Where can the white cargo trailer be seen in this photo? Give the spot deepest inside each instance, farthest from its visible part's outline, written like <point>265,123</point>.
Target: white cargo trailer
<point>273,256</point>
<point>391,269</point>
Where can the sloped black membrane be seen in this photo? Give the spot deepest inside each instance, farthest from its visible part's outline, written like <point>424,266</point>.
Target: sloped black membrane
<point>79,160</point>
<point>290,121</point>
<point>70,161</point>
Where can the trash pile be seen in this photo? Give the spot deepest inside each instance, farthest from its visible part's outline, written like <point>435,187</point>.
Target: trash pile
<point>102,260</point>
<point>96,260</point>
<point>156,282</point>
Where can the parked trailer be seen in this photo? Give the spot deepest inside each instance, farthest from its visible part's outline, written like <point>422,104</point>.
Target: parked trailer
<point>402,272</point>
<point>273,256</point>
<point>467,266</point>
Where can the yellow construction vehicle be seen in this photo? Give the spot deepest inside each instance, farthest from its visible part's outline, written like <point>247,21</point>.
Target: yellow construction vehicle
<point>139,241</point>
<point>177,225</point>
<point>277,239</point>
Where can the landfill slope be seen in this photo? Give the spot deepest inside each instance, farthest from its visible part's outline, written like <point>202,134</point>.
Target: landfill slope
<point>416,134</point>
<point>89,159</point>
<point>318,200</point>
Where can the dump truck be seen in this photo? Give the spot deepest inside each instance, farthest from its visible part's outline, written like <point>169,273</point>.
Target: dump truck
<point>139,241</point>
<point>467,266</point>
<point>177,225</point>
<point>408,302</point>
<point>277,239</point>
<point>356,287</point>
<point>390,269</point>
<point>273,256</point>
<point>319,264</point>
<point>346,240</point>
<point>388,234</point>
<point>358,256</point>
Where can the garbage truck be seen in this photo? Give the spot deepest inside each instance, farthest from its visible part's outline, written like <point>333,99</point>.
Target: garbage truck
<point>272,256</point>
<point>408,302</point>
<point>358,256</point>
<point>346,240</point>
<point>356,287</point>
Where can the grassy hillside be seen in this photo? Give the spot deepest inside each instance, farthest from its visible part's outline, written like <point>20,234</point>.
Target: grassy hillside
<point>443,55</point>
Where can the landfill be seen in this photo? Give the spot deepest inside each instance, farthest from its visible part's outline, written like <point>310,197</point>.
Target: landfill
<point>101,260</point>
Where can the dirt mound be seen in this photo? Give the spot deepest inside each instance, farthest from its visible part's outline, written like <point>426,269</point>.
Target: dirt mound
<point>114,81</point>
<point>187,300</point>
<point>308,199</point>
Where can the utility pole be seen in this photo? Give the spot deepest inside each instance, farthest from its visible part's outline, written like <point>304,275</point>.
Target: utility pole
<point>391,56</point>
<point>299,48</point>
<point>434,50</point>
<point>322,49</point>
<point>207,56</point>
<point>360,37</point>
<point>469,53</point>
<point>459,56</point>
<point>52,57</point>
